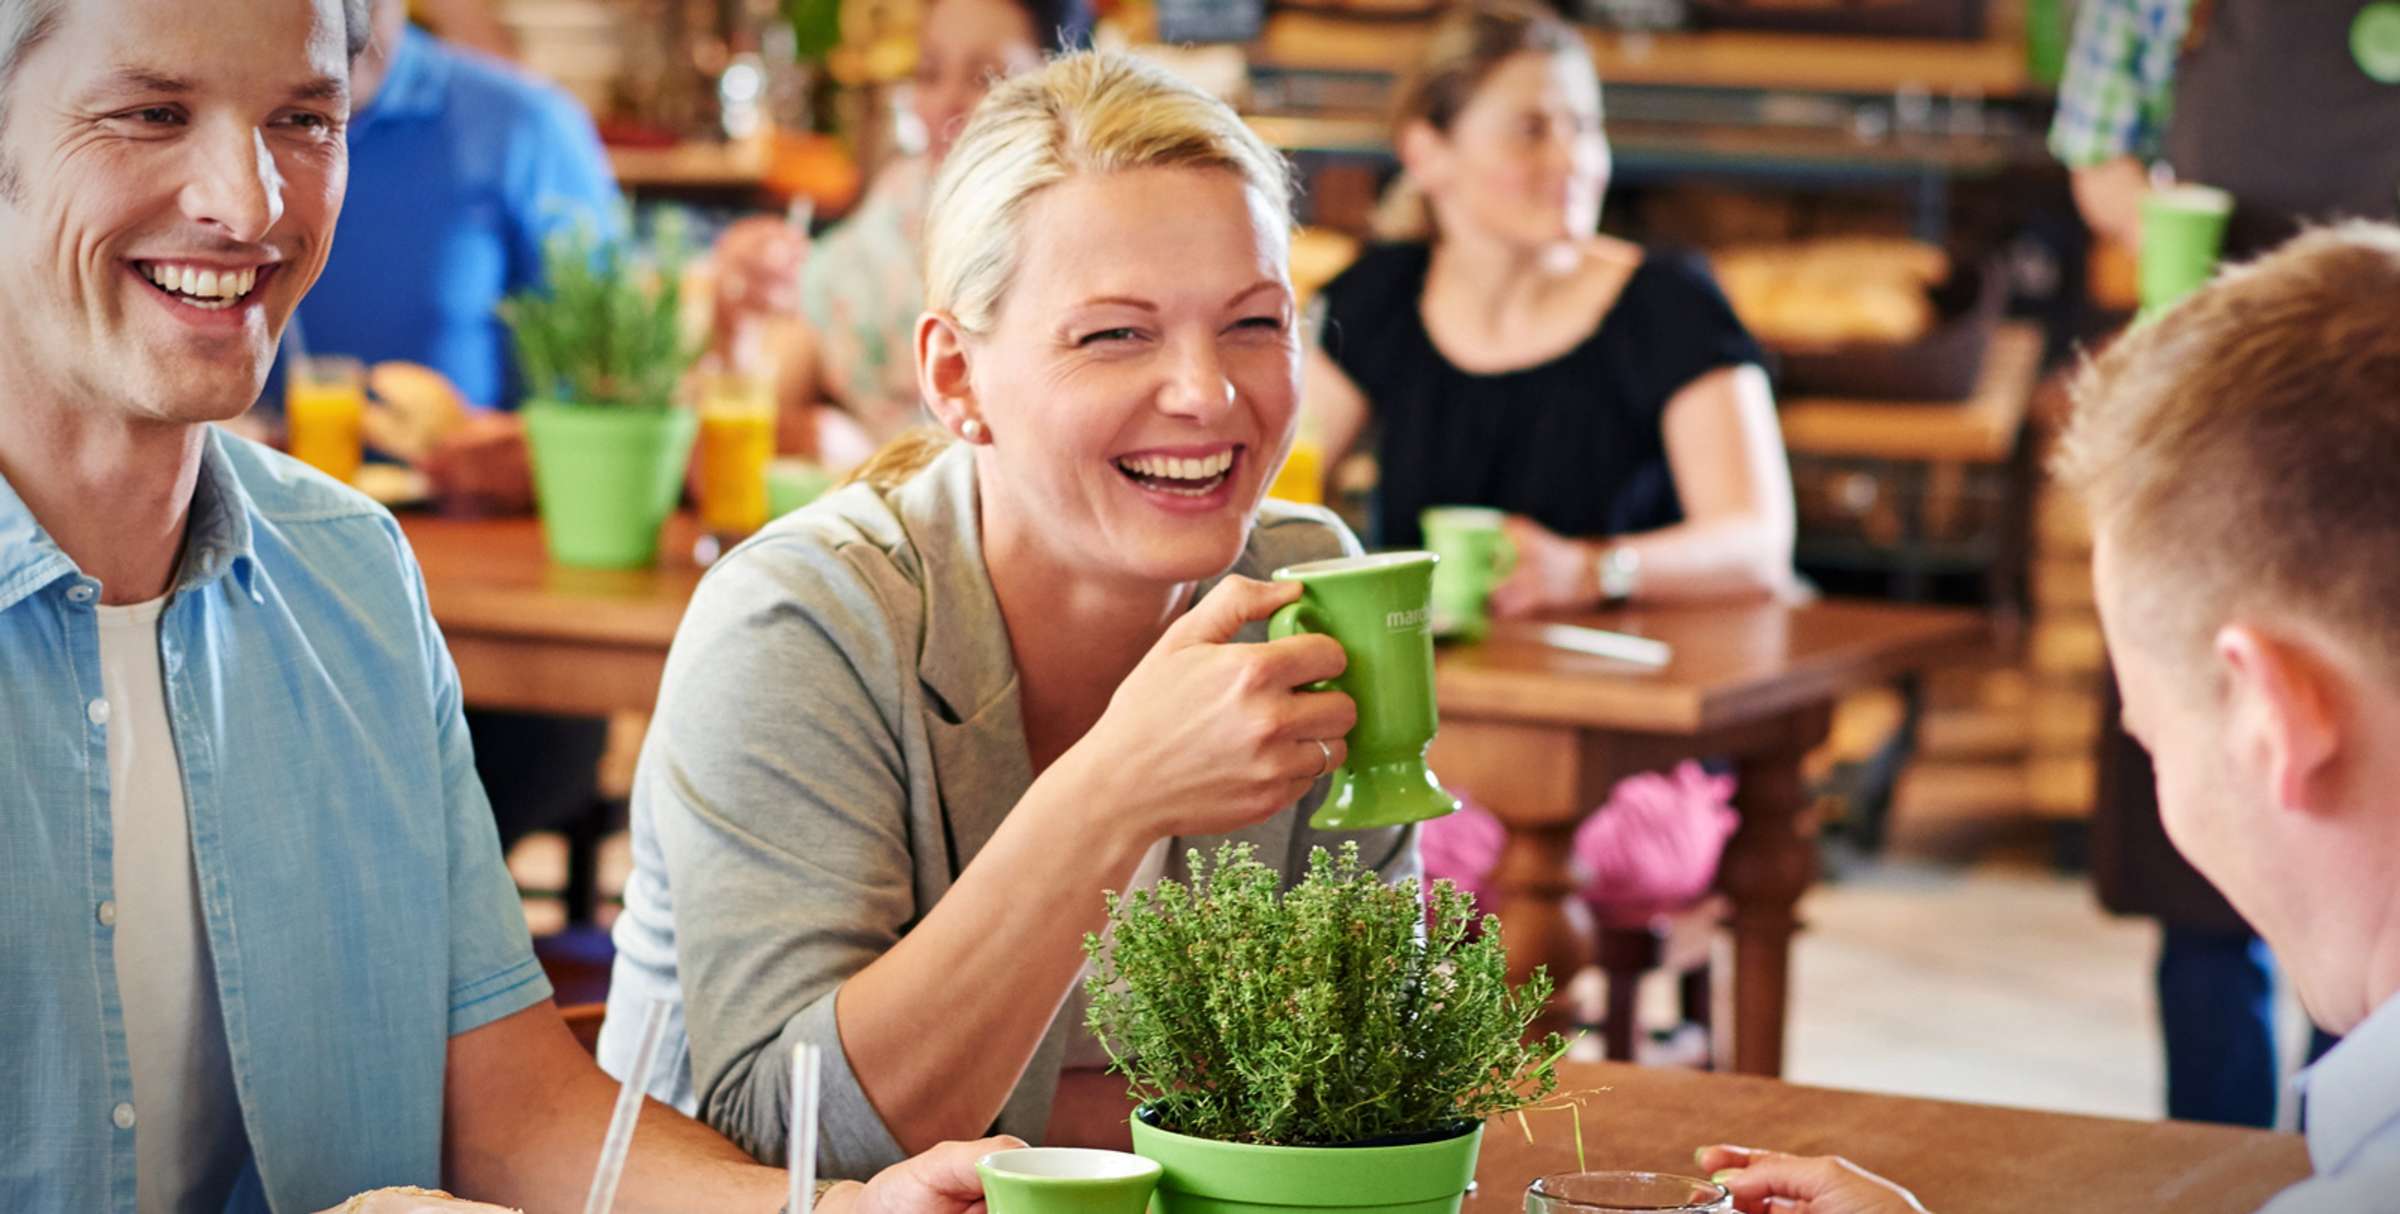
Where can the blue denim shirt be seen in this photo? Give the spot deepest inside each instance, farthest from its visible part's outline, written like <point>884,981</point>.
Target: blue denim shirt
<point>349,873</point>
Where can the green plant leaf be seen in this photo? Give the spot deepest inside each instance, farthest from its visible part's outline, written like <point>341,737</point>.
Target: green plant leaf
<point>1342,1010</point>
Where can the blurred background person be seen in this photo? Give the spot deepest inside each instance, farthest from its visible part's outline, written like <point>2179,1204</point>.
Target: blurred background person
<point>1503,353</point>
<point>856,293</point>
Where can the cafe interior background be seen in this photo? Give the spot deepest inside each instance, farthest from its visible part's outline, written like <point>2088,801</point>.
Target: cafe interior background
<point>1872,186</point>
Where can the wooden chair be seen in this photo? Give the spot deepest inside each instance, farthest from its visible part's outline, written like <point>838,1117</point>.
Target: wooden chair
<point>1680,941</point>
<point>583,1020</point>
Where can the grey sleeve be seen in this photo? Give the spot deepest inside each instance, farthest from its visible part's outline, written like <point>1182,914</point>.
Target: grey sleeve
<point>776,780</point>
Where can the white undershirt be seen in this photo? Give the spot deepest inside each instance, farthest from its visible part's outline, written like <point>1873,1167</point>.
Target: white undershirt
<point>188,1142</point>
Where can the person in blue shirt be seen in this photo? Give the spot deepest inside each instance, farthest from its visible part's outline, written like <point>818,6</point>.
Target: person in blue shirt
<point>2237,458</point>
<point>461,168</point>
<point>258,951</point>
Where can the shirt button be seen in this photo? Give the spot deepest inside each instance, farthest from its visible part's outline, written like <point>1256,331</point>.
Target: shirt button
<point>81,592</point>
<point>108,914</point>
<point>123,1116</point>
<point>97,710</point>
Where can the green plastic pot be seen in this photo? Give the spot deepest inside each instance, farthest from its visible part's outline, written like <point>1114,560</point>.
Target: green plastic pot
<point>606,478</point>
<point>1202,1176</point>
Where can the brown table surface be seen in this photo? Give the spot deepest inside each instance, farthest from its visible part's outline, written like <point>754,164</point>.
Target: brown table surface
<point>537,637</point>
<point>1959,1158</point>
<point>1732,664</point>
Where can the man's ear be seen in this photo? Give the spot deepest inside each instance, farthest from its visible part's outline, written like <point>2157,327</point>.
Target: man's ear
<point>945,372</point>
<point>2286,713</point>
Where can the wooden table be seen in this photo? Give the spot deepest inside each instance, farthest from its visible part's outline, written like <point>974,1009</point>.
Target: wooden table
<point>1539,736</point>
<point>1959,1158</point>
<point>535,637</point>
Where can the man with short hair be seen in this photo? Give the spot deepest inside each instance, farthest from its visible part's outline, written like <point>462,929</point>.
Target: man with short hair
<point>2241,459</point>
<point>257,948</point>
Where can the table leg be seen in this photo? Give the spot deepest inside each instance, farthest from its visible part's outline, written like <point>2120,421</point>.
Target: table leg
<point>1769,863</point>
<point>1540,923</point>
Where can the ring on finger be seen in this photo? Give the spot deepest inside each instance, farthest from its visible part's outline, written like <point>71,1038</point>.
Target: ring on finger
<point>1326,768</point>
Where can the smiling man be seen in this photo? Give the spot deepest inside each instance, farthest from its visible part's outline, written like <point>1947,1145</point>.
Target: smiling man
<point>257,947</point>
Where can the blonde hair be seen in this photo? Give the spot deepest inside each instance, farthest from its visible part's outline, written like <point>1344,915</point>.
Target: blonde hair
<point>2245,447</point>
<point>1090,112</point>
<point>1467,45</point>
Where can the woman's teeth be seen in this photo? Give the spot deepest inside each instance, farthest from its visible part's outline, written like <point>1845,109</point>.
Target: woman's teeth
<point>1171,474</point>
<point>200,286</point>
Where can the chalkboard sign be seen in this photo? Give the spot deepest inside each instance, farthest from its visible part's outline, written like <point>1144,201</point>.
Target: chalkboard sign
<point>1210,20</point>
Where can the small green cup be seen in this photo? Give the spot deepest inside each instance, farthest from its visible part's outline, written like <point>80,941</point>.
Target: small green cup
<point>1066,1180</point>
<point>1381,610</point>
<point>793,482</point>
<point>2183,230</point>
<point>1473,544</point>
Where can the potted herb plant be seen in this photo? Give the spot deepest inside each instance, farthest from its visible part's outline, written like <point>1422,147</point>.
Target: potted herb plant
<point>1336,1046</point>
<point>602,351</point>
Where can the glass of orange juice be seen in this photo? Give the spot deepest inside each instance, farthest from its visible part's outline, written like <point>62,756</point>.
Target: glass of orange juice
<point>324,406</point>
<point>737,442</point>
<point>1302,477</point>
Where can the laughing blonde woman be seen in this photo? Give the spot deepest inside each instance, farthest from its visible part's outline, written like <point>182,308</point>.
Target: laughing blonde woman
<point>910,734</point>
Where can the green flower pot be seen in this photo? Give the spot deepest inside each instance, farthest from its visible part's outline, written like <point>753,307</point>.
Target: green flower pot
<point>606,478</point>
<point>1208,1177</point>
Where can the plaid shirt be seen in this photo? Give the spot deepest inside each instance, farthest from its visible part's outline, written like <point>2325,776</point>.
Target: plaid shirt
<point>2119,89</point>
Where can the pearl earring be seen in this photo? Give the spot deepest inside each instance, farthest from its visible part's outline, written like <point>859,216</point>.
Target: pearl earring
<point>971,430</point>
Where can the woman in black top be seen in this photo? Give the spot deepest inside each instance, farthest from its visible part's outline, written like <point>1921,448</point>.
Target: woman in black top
<point>1605,397</point>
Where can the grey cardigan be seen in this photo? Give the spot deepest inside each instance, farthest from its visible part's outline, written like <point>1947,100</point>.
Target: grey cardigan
<point>836,738</point>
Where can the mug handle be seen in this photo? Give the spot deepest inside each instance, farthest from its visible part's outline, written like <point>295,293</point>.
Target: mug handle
<point>1506,562</point>
<point>1293,619</point>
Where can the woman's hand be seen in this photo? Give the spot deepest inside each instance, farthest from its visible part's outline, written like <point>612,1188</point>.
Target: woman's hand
<point>1207,737</point>
<point>1765,1182</point>
<point>940,1181</point>
<point>1553,573</point>
<point>758,262</point>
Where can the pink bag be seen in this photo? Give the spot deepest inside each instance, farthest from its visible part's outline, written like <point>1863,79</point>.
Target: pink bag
<point>1654,846</point>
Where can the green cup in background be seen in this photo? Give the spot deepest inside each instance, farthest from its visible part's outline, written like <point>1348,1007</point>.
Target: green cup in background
<point>1476,555</point>
<point>793,482</point>
<point>2183,230</point>
<point>1066,1180</point>
<point>1380,608</point>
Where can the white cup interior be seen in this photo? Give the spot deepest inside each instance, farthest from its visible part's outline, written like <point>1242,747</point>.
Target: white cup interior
<point>1347,564</point>
<point>1070,1163</point>
<point>2188,196</point>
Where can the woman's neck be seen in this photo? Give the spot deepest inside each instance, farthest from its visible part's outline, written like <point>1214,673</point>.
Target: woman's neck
<point>1494,283</point>
<point>1074,636</point>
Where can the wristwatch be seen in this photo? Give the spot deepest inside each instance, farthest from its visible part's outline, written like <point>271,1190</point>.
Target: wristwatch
<point>1618,569</point>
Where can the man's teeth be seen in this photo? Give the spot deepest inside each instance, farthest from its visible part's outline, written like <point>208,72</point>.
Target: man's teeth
<point>201,284</point>
<point>1171,468</point>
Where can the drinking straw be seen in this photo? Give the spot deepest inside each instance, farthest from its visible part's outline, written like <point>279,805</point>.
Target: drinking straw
<point>1625,647</point>
<point>807,1062</point>
<point>619,1142</point>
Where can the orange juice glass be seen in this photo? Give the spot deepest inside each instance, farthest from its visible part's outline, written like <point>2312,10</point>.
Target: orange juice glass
<point>324,406</point>
<point>737,442</point>
<point>1302,478</point>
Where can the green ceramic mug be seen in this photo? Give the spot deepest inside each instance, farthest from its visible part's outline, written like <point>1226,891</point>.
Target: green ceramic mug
<point>1380,608</point>
<point>1066,1180</point>
<point>2183,230</point>
<point>1473,544</point>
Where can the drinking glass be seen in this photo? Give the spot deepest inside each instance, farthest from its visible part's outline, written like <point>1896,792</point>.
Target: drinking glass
<point>1625,1193</point>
